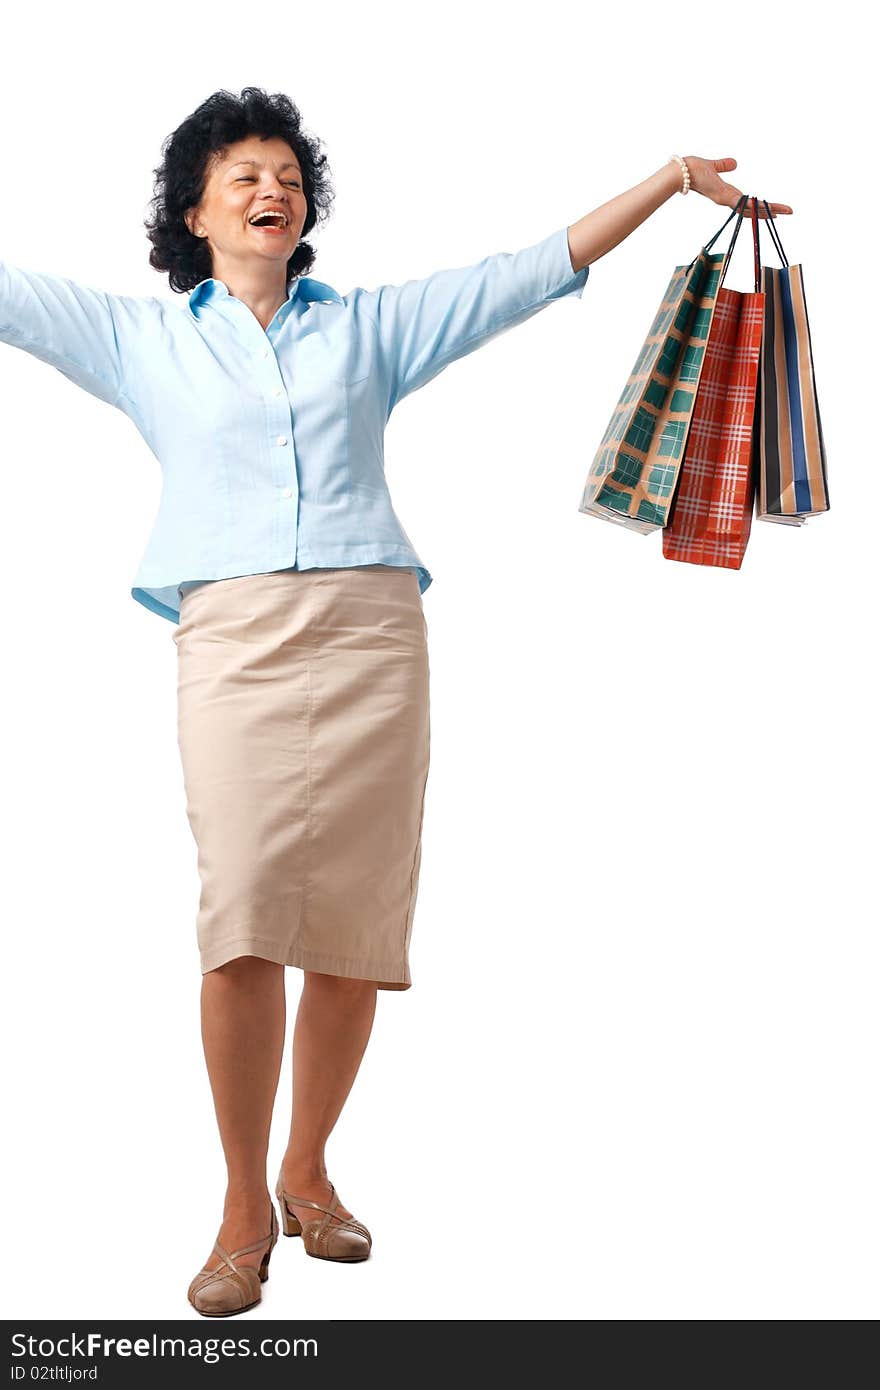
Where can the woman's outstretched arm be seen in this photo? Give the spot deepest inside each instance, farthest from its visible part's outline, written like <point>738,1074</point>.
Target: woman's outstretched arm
<point>423,325</point>
<point>608,225</point>
<point>86,334</point>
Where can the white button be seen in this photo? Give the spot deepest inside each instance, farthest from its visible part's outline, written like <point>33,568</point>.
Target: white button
<point>279,392</point>
<point>265,352</point>
<point>282,439</point>
<point>287,492</point>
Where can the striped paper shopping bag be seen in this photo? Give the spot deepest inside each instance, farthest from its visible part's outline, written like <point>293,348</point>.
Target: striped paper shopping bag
<point>711,514</point>
<point>792,481</point>
<point>635,469</point>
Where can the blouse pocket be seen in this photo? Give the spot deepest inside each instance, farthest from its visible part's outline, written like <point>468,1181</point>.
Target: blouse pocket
<point>336,354</point>
<point>335,366</point>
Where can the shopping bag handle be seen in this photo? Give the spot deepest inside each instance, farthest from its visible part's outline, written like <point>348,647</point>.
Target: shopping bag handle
<point>755,243</point>
<point>774,231</point>
<point>740,207</point>
<point>743,200</point>
<point>740,210</point>
<point>755,221</point>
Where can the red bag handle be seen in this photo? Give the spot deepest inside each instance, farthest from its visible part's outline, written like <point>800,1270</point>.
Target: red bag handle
<point>757,246</point>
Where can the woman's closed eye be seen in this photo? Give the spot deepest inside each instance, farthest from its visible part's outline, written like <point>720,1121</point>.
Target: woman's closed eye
<point>249,178</point>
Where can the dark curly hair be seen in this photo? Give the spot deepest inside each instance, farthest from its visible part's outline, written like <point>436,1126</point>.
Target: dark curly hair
<point>221,120</point>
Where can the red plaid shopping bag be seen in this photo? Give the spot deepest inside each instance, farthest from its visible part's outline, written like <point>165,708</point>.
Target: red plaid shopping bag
<point>711,514</point>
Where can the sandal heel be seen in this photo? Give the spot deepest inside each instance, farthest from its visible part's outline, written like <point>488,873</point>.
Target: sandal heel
<point>290,1224</point>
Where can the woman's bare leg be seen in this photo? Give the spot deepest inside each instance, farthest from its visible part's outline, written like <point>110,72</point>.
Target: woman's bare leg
<point>243,1021</point>
<point>333,1026</point>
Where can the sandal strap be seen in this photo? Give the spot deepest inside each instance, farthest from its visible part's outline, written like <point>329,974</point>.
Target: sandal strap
<point>324,1224</point>
<point>258,1244</point>
<point>319,1206</point>
<point>238,1278</point>
<point>227,1259</point>
<point>246,1249</point>
<point>350,1224</point>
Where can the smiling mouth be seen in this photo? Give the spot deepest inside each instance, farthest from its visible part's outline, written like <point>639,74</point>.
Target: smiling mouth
<point>272,222</point>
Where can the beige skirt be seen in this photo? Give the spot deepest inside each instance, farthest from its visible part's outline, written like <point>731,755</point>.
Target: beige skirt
<point>304,733</point>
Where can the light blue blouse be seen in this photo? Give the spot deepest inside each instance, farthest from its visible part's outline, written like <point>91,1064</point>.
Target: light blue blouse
<point>271,442</point>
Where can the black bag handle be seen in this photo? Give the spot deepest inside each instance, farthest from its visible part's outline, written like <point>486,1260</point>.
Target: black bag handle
<point>755,242</point>
<point>739,213</point>
<point>708,246</point>
<point>740,207</point>
<point>774,231</point>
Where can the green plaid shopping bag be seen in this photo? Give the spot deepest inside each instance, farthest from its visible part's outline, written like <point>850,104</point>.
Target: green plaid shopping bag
<point>633,475</point>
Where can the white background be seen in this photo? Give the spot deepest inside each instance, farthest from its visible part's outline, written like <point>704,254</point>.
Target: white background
<point>635,1077</point>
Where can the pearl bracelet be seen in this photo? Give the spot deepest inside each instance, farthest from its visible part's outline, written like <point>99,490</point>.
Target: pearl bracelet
<point>685,173</point>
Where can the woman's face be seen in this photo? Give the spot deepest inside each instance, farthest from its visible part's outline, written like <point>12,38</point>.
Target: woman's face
<point>250,177</point>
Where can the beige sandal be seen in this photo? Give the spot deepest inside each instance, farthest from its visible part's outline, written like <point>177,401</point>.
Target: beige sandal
<point>231,1288</point>
<point>347,1241</point>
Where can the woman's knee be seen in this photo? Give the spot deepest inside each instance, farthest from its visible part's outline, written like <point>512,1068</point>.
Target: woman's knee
<point>244,968</point>
<point>341,986</point>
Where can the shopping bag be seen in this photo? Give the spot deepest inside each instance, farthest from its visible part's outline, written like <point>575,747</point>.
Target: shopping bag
<point>633,475</point>
<point>792,481</point>
<point>711,514</point>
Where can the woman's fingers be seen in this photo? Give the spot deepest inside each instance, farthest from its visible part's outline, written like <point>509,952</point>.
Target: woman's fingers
<point>706,179</point>
<point>775,208</point>
<point>733,197</point>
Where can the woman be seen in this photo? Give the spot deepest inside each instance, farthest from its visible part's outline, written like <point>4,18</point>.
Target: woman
<point>302,647</point>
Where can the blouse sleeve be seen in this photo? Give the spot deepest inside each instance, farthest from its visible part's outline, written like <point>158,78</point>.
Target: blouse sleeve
<point>77,330</point>
<point>423,325</point>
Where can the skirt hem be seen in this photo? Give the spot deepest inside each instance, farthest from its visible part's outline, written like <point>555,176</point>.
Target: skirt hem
<point>303,960</point>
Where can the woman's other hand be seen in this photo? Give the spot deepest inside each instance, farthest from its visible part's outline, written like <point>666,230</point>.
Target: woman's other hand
<point>705,178</point>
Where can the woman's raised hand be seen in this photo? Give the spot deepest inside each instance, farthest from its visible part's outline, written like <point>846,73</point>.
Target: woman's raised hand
<point>705,179</point>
